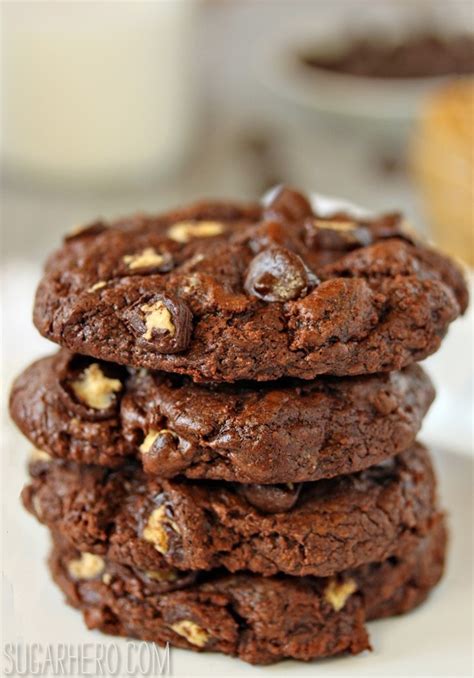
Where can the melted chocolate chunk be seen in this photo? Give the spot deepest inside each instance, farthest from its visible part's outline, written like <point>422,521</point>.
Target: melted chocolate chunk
<point>162,321</point>
<point>277,274</point>
<point>289,205</point>
<point>271,498</point>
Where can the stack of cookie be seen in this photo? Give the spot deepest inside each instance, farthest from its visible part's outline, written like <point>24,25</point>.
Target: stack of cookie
<point>225,443</point>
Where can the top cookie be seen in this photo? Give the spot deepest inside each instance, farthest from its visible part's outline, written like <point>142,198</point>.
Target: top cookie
<point>224,292</point>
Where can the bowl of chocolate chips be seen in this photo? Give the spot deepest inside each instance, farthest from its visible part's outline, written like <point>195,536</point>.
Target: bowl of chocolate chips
<point>373,73</point>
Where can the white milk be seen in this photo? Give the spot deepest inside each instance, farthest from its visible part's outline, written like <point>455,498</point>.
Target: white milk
<point>97,90</point>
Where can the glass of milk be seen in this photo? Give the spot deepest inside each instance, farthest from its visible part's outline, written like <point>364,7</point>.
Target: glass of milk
<point>97,91</point>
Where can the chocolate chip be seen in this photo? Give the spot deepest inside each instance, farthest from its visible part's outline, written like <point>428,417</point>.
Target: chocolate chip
<point>270,233</point>
<point>165,580</point>
<point>340,234</point>
<point>163,321</point>
<point>271,498</point>
<point>163,451</point>
<point>276,274</point>
<point>392,225</point>
<point>289,205</point>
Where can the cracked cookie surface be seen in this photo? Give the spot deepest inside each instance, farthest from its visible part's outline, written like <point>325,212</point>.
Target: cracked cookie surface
<point>259,619</point>
<point>320,529</point>
<point>250,433</point>
<point>226,292</point>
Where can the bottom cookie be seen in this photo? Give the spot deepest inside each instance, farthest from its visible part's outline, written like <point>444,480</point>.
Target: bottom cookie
<point>258,619</point>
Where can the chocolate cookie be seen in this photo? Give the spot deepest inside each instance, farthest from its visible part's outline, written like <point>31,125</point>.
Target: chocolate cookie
<point>318,528</point>
<point>93,412</point>
<point>257,619</point>
<point>226,292</point>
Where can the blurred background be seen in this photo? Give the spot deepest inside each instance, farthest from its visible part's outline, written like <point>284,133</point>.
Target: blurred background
<point>111,107</point>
